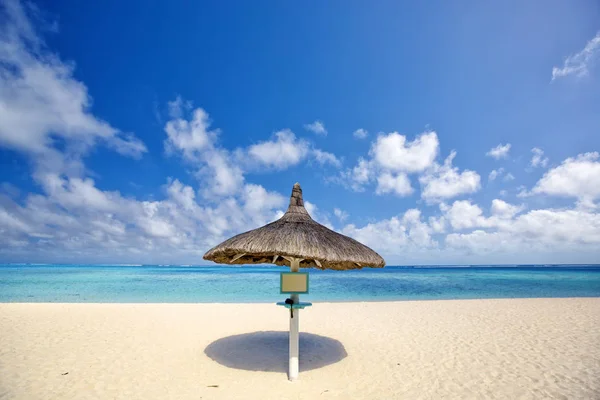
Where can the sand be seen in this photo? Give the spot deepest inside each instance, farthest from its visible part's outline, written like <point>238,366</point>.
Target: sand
<point>474,349</point>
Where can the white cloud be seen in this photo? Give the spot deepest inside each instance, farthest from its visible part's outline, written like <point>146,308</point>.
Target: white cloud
<point>495,173</point>
<point>316,127</point>
<point>500,151</point>
<point>282,151</point>
<point>41,101</point>
<point>398,184</point>
<point>578,64</point>
<point>183,195</point>
<point>357,177</point>
<point>340,214</point>
<point>539,236</point>
<point>438,224</point>
<point>406,235</point>
<point>192,137</point>
<point>223,176</point>
<point>323,158</point>
<point>393,158</point>
<point>464,215</point>
<point>502,209</point>
<point>577,177</point>
<point>217,172</point>
<point>74,220</point>
<point>538,159</point>
<point>558,227</point>
<point>445,181</point>
<point>78,193</point>
<point>257,198</point>
<point>362,172</point>
<point>220,171</point>
<point>360,133</point>
<point>394,153</point>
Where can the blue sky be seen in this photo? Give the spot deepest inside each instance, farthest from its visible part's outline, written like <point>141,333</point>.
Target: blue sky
<point>146,133</point>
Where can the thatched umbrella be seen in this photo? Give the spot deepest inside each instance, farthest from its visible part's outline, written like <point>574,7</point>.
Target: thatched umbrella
<point>295,235</point>
<point>300,242</point>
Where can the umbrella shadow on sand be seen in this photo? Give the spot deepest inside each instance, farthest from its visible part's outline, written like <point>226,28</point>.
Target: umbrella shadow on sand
<point>268,351</point>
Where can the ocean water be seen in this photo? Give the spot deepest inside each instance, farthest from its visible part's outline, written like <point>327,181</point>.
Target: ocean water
<point>225,284</point>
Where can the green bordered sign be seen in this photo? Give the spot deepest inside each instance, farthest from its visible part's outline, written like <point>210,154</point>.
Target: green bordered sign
<point>294,282</point>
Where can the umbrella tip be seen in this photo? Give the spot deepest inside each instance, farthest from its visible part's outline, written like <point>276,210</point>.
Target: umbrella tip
<point>296,198</point>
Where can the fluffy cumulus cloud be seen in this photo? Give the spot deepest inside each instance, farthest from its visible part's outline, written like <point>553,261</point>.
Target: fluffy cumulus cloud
<point>316,127</point>
<point>77,221</point>
<point>579,64</point>
<point>508,233</point>
<point>500,151</point>
<point>357,177</point>
<point>463,215</point>
<point>407,234</point>
<point>393,158</point>
<point>398,184</point>
<point>502,209</point>
<point>464,232</point>
<point>446,181</point>
<point>577,177</point>
<point>257,198</point>
<point>539,236</point>
<point>220,175</point>
<point>393,152</point>
<point>192,138</point>
<point>282,151</point>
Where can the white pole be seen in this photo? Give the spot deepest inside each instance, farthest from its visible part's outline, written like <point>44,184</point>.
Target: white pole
<point>294,329</point>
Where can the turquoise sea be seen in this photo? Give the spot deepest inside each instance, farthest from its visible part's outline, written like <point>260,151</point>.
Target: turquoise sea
<point>225,284</point>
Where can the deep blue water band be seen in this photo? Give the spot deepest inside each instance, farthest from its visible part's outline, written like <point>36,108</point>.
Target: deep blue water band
<point>173,284</point>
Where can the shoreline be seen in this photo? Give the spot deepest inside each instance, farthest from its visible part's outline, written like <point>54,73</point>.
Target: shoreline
<point>482,348</point>
<point>314,302</point>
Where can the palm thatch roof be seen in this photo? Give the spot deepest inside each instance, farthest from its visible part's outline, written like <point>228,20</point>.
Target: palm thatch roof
<point>295,235</point>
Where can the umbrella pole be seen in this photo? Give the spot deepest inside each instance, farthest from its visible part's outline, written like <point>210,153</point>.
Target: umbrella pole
<point>294,329</point>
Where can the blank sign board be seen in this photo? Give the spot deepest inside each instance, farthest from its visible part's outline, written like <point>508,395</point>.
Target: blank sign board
<point>294,282</point>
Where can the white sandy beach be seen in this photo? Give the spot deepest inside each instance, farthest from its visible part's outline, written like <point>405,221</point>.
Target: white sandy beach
<point>501,349</point>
